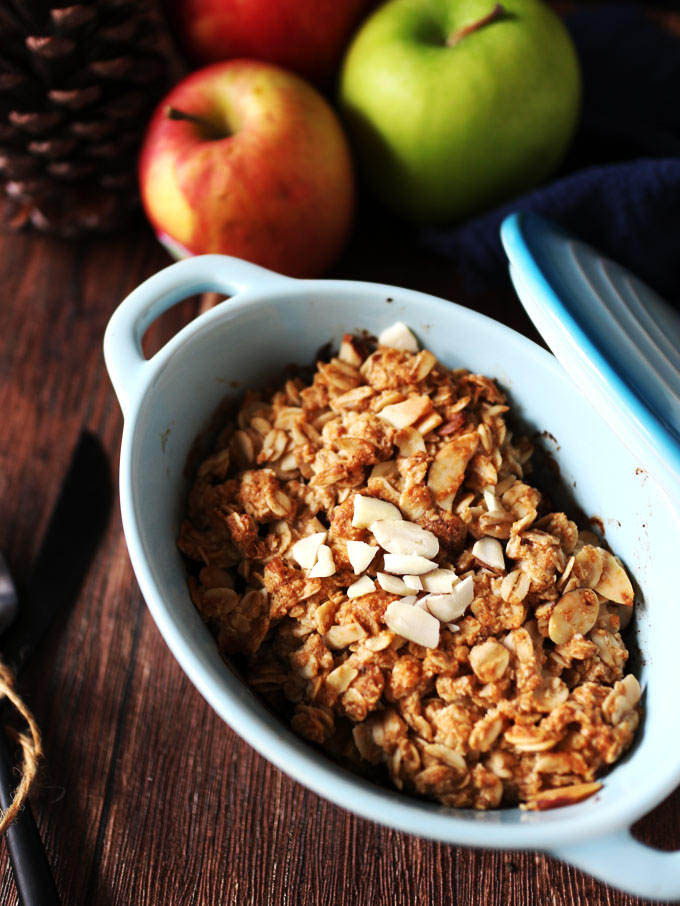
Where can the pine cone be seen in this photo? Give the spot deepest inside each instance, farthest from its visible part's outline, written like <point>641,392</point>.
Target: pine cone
<point>77,85</point>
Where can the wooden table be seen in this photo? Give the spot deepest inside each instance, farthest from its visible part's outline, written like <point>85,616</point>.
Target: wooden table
<point>146,796</point>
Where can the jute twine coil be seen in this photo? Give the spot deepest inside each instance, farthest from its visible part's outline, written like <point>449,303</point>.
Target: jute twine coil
<point>29,743</point>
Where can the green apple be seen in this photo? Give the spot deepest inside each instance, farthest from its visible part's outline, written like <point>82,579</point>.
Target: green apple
<point>455,105</point>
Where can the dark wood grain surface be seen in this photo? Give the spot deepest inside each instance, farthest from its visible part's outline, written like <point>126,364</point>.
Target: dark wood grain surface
<point>146,797</point>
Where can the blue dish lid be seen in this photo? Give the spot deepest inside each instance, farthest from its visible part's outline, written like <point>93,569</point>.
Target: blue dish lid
<point>616,338</point>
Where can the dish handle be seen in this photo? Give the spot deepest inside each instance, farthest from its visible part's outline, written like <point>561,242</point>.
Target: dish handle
<point>128,369</point>
<point>624,862</point>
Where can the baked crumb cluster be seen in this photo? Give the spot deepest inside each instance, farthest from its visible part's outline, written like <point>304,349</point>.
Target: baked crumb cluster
<point>370,546</point>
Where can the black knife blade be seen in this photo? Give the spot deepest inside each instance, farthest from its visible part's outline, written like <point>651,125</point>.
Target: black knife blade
<point>78,521</point>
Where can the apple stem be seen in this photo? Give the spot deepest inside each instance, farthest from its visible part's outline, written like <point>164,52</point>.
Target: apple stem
<point>496,13</point>
<point>174,113</point>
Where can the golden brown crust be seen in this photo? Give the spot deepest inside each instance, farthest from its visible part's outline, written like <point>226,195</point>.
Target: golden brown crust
<point>525,696</point>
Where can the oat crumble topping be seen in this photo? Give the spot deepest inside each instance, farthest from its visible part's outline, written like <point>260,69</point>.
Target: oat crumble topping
<point>369,545</point>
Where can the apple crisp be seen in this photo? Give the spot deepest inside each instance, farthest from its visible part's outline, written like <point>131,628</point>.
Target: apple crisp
<point>367,547</point>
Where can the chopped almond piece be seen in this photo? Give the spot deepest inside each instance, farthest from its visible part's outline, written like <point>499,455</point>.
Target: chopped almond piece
<point>398,336</point>
<point>408,564</point>
<point>492,505</point>
<point>340,636</point>
<point>439,581</point>
<point>360,555</point>
<point>349,352</point>
<point>402,537</point>
<point>306,549</point>
<point>368,510</point>
<point>413,624</point>
<point>450,606</point>
<point>363,586</point>
<point>401,415</point>
<point>410,441</point>
<point>325,565</point>
<point>393,584</point>
<point>489,551</point>
<point>428,423</point>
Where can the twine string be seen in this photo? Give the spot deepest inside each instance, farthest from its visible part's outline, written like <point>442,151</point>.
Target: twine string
<point>29,743</point>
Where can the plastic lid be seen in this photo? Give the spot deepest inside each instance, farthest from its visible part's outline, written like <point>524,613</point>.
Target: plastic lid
<point>617,339</point>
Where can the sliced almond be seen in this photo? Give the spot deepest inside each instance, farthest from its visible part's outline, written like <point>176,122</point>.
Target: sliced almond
<point>398,336</point>
<point>412,623</point>
<point>515,586</point>
<point>360,555</point>
<point>562,795</point>
<point>306,549</point>
<point>408,564</point>
<point>368,510</point>
<point>414,582</point>
<point>448,468</point>
<point>401,415</point>
<point>363,586</point>
<point>325,565</point>
<point>489,660</point>
<point>623,698</point>
<point>614,583</point>
<point>489,552</point>
<point>410,441</point>
<point>588,566</point>
<point>393,584</point>
<point>401,537</point>
<point>574,613</point>
<point>439,581</point>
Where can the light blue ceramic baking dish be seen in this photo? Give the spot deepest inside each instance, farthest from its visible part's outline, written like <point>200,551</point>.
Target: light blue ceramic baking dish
<point>271,321</point>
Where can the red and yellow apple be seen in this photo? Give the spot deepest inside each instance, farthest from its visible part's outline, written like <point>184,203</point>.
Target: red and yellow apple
<point>246,159</point>
<point>307,36</point>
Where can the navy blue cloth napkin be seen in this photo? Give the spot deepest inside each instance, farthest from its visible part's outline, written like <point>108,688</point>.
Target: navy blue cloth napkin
<point>620,186</point>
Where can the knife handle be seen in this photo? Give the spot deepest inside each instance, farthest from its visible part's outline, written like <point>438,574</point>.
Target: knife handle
<point>32,874</point>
